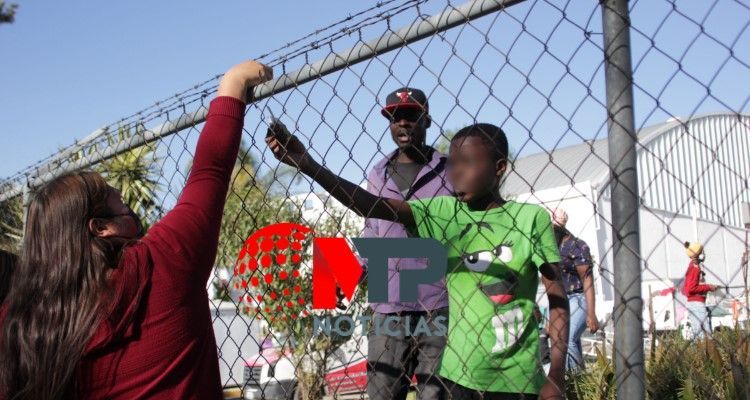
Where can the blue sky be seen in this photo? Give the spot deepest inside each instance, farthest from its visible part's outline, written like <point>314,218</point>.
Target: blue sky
<point>70,68</point>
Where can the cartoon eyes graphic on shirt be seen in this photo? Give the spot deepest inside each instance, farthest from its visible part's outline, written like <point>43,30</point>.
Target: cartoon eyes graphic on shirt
<point>478,261</point>
<point>504,252</point>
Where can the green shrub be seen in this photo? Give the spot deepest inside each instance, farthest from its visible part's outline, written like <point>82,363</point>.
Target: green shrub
<point>715,368</point>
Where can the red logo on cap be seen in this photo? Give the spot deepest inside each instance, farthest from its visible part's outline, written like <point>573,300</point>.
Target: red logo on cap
<point>404,96</point>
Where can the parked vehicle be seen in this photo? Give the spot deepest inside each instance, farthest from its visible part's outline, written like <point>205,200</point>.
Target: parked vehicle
<point>271,374</point>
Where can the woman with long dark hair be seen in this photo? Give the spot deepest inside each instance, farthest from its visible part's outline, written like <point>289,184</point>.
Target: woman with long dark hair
<point>98,310</point>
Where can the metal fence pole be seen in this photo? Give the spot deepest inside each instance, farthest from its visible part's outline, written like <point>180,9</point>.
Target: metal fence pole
<point>629,358</point>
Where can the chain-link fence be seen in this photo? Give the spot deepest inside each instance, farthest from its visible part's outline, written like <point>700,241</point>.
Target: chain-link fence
<point>630,117</point>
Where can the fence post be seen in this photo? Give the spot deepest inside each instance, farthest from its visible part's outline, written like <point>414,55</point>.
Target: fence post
<point>25,201</point>
<point>628,313</point>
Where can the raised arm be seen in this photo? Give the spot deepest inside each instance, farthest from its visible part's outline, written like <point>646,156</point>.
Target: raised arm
<point>190,231</point>
<point>371,224</point>
<point>289,149</point>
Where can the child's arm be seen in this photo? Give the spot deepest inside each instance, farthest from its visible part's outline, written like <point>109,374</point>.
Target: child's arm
<point>693,285</point>
<point>290,150</point>
<point>559,315</point>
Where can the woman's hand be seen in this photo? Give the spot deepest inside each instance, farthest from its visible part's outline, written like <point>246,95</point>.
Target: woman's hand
<point>238,81</point>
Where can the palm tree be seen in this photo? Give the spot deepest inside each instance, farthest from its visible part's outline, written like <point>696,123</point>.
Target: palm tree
<point>134,174</point>
<point>11,224</point>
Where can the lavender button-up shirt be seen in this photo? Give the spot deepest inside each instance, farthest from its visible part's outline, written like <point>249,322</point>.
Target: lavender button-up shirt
<point>431,296</point>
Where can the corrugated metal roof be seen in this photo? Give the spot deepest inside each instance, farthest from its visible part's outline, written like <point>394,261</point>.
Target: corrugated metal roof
<point>564,166</point>
<point>578,163</point>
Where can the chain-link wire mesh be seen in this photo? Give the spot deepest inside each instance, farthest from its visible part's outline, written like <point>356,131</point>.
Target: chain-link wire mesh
<point>538,70</point>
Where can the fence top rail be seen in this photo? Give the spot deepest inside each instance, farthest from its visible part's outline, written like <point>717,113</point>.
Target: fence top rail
<point>450,17</point>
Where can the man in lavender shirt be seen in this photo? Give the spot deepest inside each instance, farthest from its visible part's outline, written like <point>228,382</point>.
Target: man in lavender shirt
<point>414,170</point>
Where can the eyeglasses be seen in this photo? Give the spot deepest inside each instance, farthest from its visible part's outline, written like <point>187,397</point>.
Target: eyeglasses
<point>411,115</point>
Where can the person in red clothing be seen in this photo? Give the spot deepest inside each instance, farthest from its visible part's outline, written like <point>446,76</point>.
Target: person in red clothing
<point>695,290</point>
<point>96,309</point>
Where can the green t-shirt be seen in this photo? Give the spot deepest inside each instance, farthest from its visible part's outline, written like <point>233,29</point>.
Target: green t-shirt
<point>492,279</point>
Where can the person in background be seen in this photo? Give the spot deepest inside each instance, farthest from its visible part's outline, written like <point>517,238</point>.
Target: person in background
<point>497,249</point>
<point>413,171</point>
<point>578,281</point>
<point>695,289</point>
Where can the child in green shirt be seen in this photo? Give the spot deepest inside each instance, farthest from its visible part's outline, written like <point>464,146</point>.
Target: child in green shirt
<point>495,250</point>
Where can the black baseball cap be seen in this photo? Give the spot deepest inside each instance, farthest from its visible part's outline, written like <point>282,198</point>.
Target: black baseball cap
<point>405,98</point>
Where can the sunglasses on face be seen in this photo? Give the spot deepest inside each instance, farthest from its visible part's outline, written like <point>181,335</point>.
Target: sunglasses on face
<point>411,115</point>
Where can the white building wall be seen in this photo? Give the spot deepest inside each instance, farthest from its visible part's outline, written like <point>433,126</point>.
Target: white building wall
<point>664,258</point>
<point>664,254</point>
<point>701,167</point>
<point>662,237</point>
<point>319,208</point>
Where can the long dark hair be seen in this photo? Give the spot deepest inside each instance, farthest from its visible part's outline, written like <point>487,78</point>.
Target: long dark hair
<point>57,290</point>
<point>8,263</point>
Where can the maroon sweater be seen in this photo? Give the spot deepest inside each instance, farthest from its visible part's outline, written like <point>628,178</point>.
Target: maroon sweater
<point>158,341</point>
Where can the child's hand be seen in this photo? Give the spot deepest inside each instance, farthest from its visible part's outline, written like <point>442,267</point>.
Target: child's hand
<point>238,80</point>
<point>286,147</point>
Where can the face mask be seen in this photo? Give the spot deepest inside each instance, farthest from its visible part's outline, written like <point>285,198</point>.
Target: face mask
<point>138,223</point>
<point>136,220</point>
